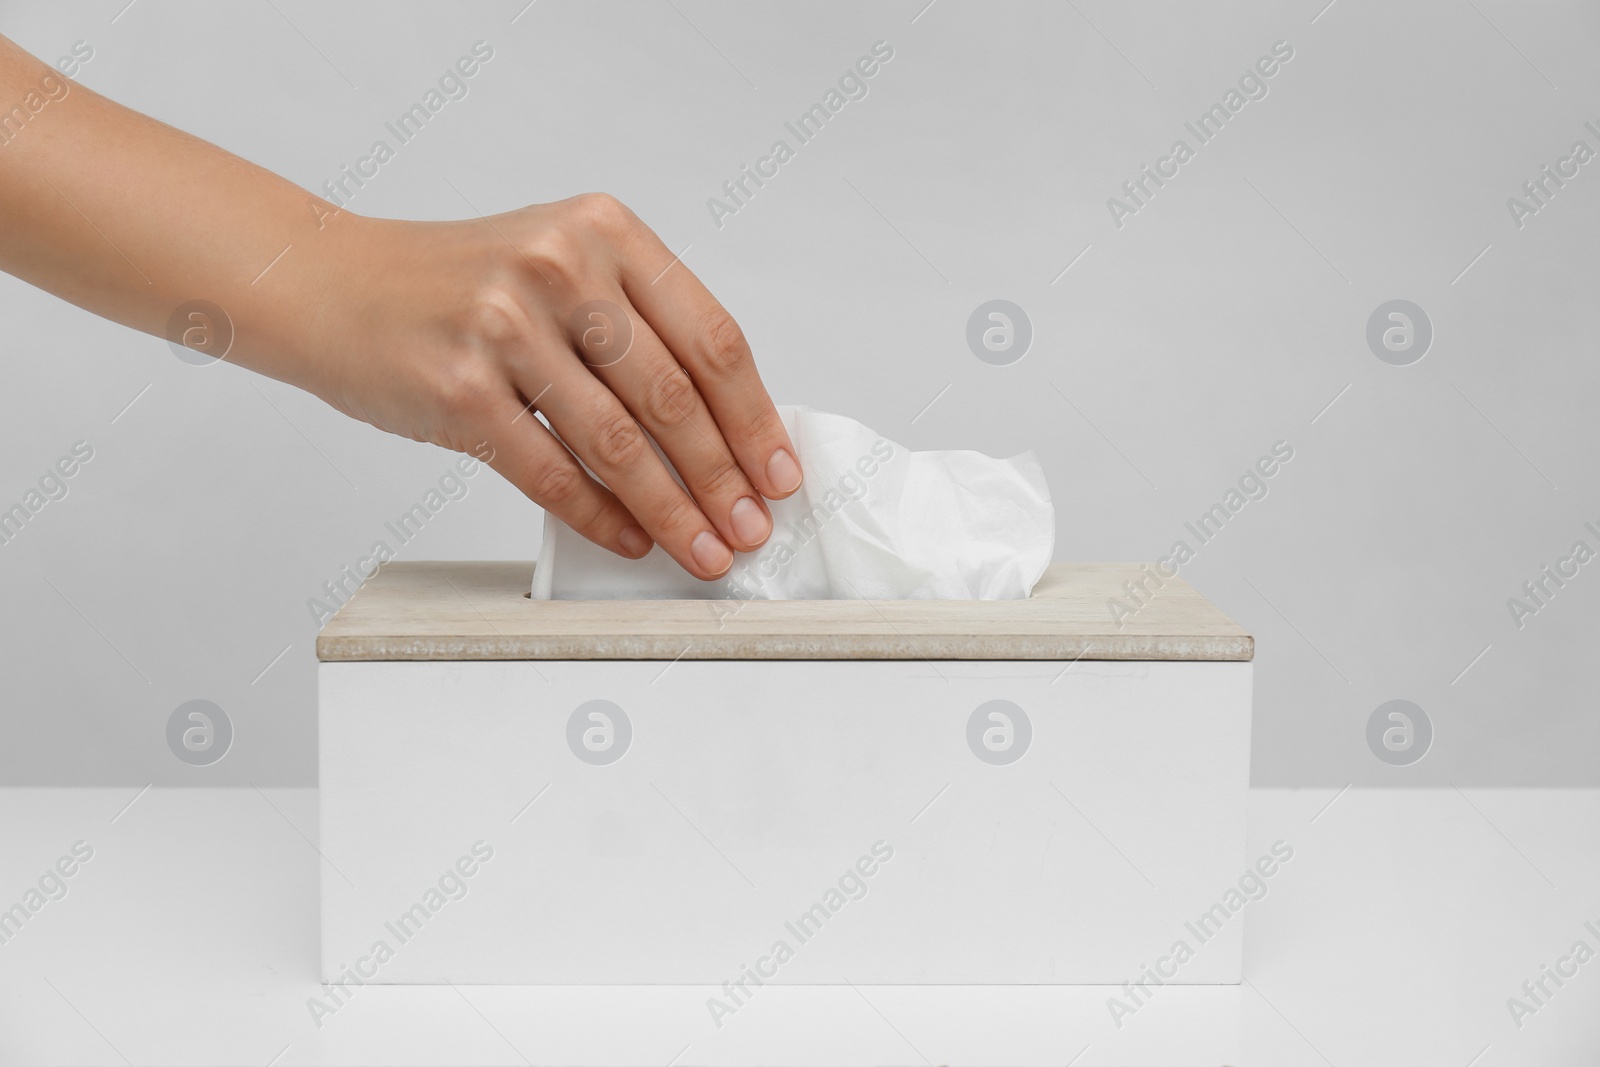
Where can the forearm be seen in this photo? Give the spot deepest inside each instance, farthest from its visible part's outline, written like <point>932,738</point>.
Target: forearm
<point>129,218</point>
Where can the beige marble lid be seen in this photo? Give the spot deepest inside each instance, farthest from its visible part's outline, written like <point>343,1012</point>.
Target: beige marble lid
<point>481,611</point>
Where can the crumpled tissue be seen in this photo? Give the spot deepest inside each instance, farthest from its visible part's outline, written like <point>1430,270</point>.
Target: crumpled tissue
<point>872,520</point>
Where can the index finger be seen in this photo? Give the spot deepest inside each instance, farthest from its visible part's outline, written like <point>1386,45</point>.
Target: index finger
<point>708,344</point>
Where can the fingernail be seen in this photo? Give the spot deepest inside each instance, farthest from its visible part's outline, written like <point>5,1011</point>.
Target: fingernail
<point>750,522</point>
<point>783,471</point>
<point>634,541</point>
<point>708,550</point>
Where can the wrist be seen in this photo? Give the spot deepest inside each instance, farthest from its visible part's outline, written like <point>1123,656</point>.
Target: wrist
<point>295,315</point>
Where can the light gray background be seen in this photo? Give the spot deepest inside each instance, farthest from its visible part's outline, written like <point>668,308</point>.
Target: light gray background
<point>1224,317</point>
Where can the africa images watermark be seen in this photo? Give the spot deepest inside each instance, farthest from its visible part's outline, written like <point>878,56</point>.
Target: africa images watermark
<point>50,90</point>
<point>1251,887</point>
<point>744,582</point>
<point>404,528</point>
<point>50,886</point>
<point>1537,992</point>
<point>1252,86</point>
<point>851,885</point>
<point>852,85</point>
<point>1542,188</point>
<point>450,886</point>
<point>1205,528</point>
<point>1538,591</point>
<point>52,486</point>
<point>453,84</point>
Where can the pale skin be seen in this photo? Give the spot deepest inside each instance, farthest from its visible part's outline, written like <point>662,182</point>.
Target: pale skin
<point>453,333</point>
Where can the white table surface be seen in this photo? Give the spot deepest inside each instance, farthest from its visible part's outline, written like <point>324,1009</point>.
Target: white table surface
<point>1395,936</point>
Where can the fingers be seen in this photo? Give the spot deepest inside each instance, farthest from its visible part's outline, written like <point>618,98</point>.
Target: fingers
<point>660,395</point>
<point>595,425</point>
<point>707,343</point>
<point>686,382</point>
<point>528,456</point>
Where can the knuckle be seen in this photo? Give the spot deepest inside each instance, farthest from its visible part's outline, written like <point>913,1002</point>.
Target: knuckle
<point>725,347</point>
<point>592,522</point>
<point>557,485</point>
<point>495,315</point>
<point>724,476</point>
<point>761,425</point>
<point>619,442</point>
<point>555,253</point>
<point>678,514</point>
<point>465,388</point>
<point>672,399</point>
<point>602,213</point>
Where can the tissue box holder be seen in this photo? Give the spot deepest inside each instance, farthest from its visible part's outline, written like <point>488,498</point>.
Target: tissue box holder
<point>666,792</point>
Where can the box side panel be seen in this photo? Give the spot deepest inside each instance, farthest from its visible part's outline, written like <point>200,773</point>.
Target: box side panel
<point>798,822</point>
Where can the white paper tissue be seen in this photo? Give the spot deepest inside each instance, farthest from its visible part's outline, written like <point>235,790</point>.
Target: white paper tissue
<point>872,520</point>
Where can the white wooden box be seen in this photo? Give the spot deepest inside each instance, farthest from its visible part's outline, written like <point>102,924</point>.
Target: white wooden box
<point>778,793</point>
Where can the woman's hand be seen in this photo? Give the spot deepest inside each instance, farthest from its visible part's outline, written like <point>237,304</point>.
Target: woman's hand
<point>455,333</point>
<point>452,333</point>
